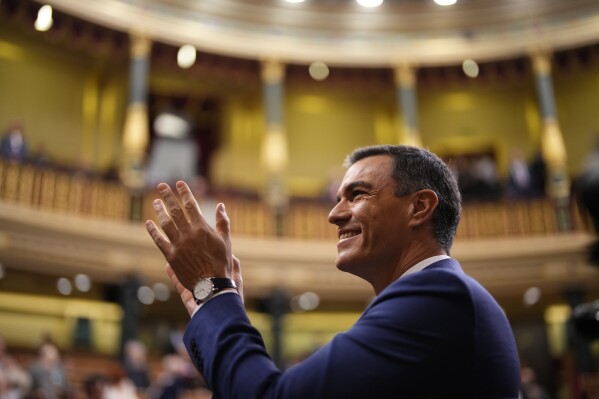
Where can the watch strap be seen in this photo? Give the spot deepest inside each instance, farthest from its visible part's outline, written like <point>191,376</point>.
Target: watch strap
<point>220,283</point>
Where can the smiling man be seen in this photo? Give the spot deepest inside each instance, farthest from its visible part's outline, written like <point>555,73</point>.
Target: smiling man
<point>431,332</point>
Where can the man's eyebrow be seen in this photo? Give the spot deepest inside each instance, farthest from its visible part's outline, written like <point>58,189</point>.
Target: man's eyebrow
<point>354,184</point>
<point>357,183</point>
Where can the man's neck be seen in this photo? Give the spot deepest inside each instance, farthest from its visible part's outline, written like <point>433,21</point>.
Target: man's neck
<point>405,265</point>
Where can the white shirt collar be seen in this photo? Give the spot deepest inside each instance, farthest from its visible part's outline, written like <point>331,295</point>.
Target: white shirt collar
<point>424,263</point>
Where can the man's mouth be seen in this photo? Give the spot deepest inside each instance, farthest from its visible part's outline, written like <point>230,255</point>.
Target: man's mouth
<point>348,235</point>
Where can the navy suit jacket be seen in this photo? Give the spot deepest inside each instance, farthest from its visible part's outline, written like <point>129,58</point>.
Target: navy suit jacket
<point>435,334</point>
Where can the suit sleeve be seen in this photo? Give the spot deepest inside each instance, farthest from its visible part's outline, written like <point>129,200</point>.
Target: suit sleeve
<point>396,346</point>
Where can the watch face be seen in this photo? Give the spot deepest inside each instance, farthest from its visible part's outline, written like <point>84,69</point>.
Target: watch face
<point>203,289</point>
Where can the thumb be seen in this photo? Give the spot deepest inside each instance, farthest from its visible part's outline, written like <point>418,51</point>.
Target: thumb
<point>223,224</point>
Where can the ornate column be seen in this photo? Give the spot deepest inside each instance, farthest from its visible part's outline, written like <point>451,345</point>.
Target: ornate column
<point>274,148</point>
<point>405,85</point>
<point>136,131</point>
<point>552,142</point>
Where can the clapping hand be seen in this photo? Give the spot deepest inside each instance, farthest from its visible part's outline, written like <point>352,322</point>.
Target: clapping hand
<point>191,247</point>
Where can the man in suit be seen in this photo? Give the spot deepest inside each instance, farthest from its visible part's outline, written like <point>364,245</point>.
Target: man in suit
<point>431,332</point>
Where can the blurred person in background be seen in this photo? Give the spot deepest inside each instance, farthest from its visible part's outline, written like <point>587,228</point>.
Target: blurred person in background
<point>48,376</point>
<point>119,386</point>
<point>14,381</point>
<point>135,364</point>
<point>13,146</point>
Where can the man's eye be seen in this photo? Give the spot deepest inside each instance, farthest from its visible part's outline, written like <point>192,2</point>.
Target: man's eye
<point>357,193</point>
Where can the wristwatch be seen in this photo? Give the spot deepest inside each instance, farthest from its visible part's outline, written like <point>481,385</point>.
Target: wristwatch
<point>207,287</point>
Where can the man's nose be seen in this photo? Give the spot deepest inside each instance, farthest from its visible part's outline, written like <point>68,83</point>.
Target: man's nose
<point>339,213</point>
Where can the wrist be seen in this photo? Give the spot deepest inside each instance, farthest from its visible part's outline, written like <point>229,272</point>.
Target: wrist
<point>206,288</point>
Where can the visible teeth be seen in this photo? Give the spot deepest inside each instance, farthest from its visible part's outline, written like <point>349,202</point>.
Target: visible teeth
<point>347,235</point>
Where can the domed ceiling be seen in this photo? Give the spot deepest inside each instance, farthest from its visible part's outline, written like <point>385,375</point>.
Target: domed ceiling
<point>343,33</point>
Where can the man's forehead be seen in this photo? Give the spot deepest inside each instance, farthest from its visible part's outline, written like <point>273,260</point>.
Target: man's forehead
<point>367,169</point>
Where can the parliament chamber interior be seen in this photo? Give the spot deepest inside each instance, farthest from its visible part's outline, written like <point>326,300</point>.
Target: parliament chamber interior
<point>256,103</point>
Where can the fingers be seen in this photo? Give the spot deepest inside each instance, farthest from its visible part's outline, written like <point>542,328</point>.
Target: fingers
<point>161,241</point>
<point>171,274</point>
<point>165,221</point>
<point>236,275</point>
<point>190,204</point>
<point>185,294</point>
<point>175,213</point>
<point>236,266</point>
<point>223,224</point>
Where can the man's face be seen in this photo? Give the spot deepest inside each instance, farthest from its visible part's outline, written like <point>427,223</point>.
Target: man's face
<point>372,221</point>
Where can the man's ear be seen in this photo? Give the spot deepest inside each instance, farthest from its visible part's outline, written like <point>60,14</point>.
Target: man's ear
<point>424,203</point>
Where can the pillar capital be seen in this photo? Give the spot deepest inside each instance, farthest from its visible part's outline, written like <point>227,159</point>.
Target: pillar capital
<point>541,62</point>
<point>405,75</point>
<point>273,71</point>
<point>140,45</point>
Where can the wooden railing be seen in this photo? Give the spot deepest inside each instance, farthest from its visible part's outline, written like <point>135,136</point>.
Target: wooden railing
<point>63,192</point>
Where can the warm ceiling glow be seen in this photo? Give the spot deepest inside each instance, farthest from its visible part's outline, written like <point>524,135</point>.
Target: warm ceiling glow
<point>186,56</point>
<point>370,3</point>
<point>44,19</point>
<point>446,2</point>
<point>294,1</point>
<point>318,70</point>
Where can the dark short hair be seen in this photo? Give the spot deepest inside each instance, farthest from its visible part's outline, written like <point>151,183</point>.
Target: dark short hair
<point>417,169</point>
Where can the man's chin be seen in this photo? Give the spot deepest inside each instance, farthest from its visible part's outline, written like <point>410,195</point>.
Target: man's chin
<point>344,266</point>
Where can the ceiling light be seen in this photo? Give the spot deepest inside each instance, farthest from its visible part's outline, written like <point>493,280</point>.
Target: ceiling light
<point>318,70</point>
<point>470,68</point>
<point>446,2</point>
<point>304,302</point>
<point>44,19</point>
<point>186,56</point>
<point>145,295</point>
<point>83,282</point>
<point>64,286</point>
<point>531,296</point>
<point>370,3</point>
<point>161,292</point>
<point>171,125</point>
<point>294,1</point>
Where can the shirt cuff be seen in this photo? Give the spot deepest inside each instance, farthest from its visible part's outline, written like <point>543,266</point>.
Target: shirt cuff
<point>225,291</point>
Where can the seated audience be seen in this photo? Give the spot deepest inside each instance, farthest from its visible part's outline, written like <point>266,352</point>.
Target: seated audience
<point>48,376</point>
<point>135,364</point>
<point>14,381</point>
